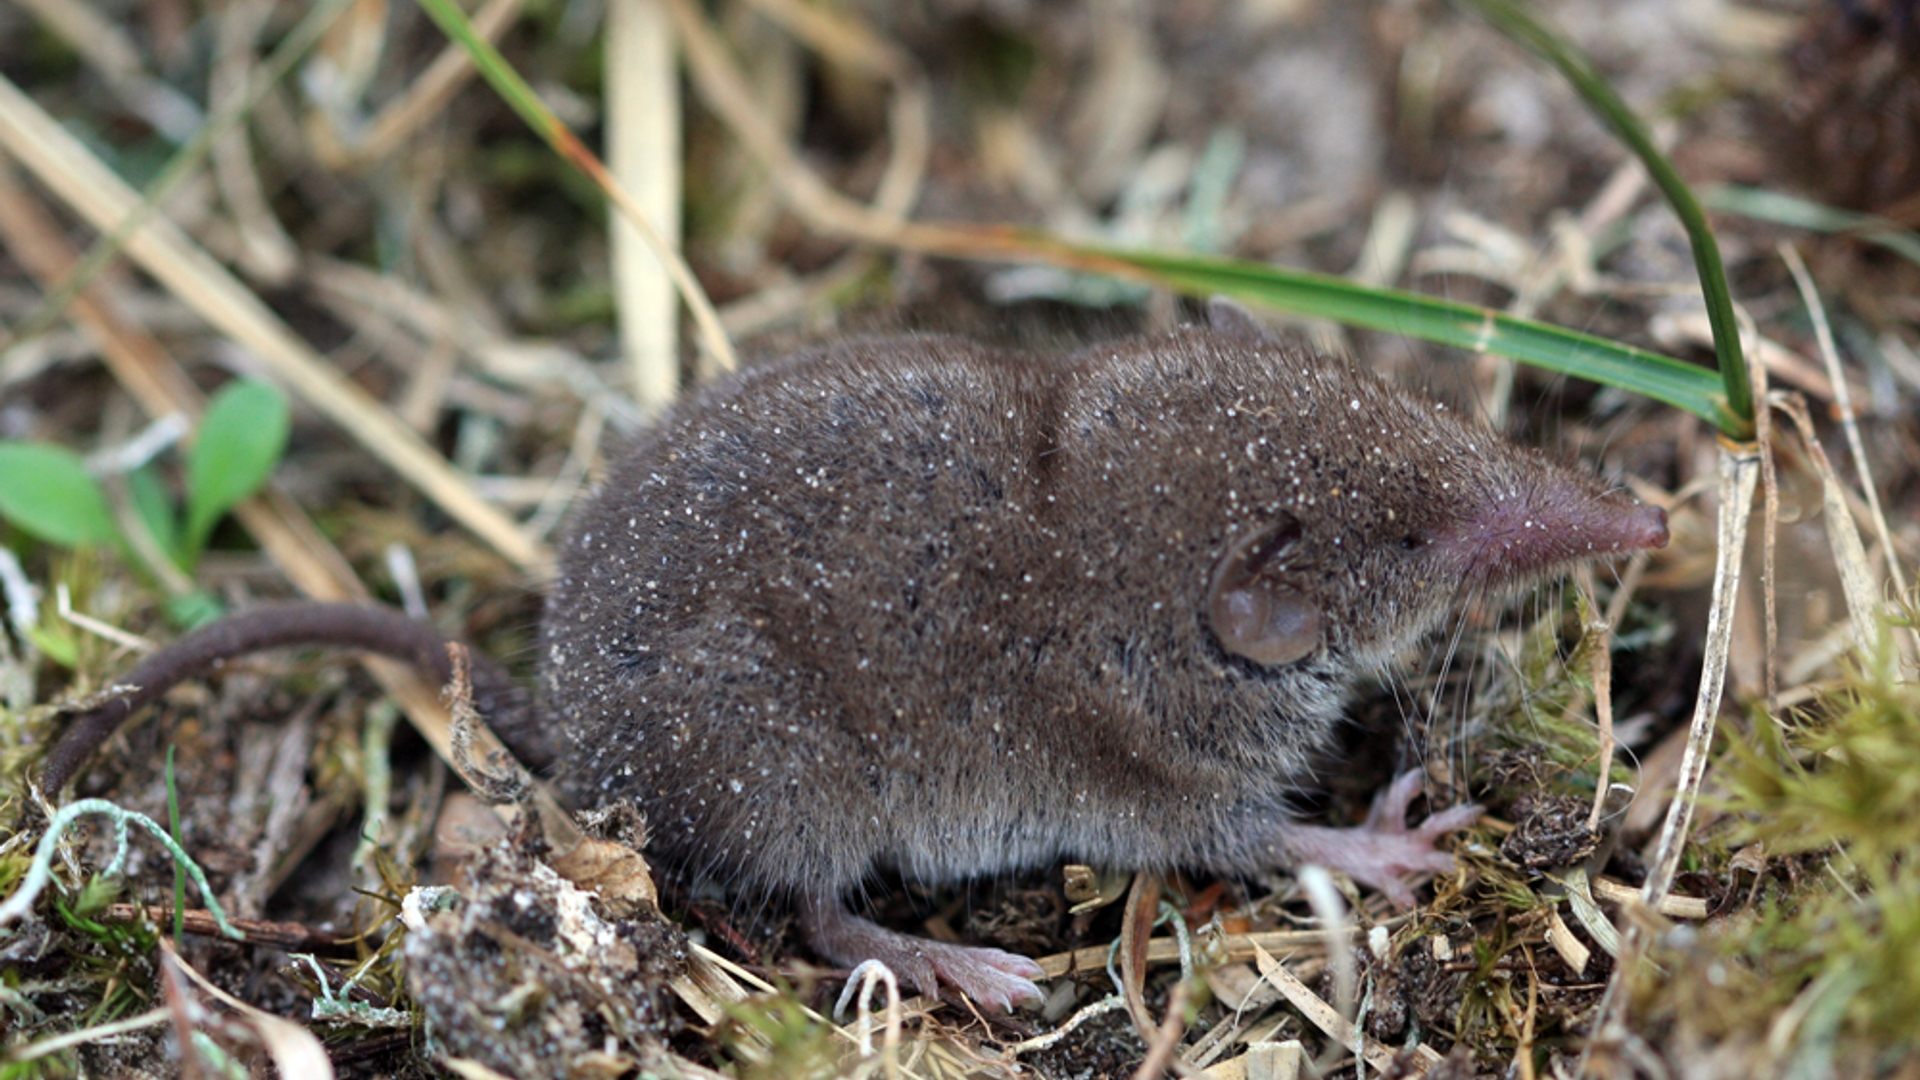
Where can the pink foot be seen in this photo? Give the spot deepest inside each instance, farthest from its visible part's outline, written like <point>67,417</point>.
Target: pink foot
<point>993,978</point>
<point>1383,853</point>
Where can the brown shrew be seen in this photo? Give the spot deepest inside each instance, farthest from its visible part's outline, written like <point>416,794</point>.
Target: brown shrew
<point>915,603</point>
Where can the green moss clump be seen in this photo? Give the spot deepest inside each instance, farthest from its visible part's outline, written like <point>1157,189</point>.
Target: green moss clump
<point>1832,933</point>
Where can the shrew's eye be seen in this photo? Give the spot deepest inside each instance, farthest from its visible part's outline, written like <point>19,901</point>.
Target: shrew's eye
<point>1414,541</point>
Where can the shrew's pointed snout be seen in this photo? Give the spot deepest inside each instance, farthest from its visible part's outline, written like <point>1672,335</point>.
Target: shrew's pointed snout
<point>1526,532</point>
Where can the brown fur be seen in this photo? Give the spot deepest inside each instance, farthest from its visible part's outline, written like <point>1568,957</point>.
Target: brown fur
<point>914,602</point>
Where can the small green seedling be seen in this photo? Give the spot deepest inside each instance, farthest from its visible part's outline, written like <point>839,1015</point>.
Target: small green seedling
<point>47,493</point>
<point>241,441</point>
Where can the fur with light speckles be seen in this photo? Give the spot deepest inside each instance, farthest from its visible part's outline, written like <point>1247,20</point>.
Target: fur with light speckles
<point>918,603</point>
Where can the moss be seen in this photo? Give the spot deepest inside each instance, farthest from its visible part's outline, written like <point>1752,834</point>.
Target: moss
<point>1832,933</point>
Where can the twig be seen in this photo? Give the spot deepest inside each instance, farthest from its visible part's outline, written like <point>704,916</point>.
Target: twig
<point>1843,409</point>
<point>1738,473</point>
<point>1327,1019</point>
<point>63,606</point>
<point>285,936</point>
<point>1166,1040</point>
<point>1099,1008</point>
<point>1600,641</point>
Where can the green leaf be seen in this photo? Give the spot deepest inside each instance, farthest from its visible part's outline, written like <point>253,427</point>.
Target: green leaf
<point>45,491</point>
<point>241,440</point>
<point>154,504</point>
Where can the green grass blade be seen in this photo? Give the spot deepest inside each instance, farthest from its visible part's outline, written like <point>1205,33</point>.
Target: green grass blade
<point>1465,326</point>
<point>1795,212</point>
<point>499,74</point>
<point>520,97</point>
<point>1517,26</point>
<point>179,875</point>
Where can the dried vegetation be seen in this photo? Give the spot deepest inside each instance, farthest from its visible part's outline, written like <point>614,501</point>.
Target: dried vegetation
<point>377,233</point>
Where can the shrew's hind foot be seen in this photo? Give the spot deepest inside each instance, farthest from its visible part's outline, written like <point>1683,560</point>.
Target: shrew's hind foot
<point>993,978</point>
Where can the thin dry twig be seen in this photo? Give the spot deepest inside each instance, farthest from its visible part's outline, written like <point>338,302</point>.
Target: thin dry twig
<point>1328,1019</point>
<point>1136,926</point>
<point>1166,1039</point>
<point>1738,473</point>
<point>285,936</point>
<point>1601,643</point>
<point>1849,554</point>
<point>1849,423</point>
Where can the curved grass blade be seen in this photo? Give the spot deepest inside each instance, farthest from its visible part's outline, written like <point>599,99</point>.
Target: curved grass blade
<point>1520,28</point>
<point>1569,352</point>
<point>534,113</point>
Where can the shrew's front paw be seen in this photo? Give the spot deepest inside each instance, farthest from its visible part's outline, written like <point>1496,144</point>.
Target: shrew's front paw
<point>1384,853</point>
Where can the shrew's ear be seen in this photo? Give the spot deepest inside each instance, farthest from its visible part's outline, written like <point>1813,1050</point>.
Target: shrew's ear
<point>1256,606</point>
<point>1225,315</point>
